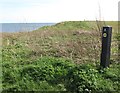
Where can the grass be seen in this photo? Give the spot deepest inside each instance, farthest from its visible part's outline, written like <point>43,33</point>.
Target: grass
<point>66,39</point>
<point>62,57</point>
<point>76,40</point>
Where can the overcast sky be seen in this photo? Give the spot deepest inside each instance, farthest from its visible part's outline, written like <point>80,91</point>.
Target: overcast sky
<point>22,11</point>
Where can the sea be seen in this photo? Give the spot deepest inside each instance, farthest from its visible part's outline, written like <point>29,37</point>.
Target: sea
<point>21,27</point>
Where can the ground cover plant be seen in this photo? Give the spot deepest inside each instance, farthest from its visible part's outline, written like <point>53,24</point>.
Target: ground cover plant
<point>63,57</point>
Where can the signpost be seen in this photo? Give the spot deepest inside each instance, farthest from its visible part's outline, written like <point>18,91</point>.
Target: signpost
<point>106,44</point>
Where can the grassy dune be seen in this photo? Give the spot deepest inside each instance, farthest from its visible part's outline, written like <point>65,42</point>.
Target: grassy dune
<point>62,57</point>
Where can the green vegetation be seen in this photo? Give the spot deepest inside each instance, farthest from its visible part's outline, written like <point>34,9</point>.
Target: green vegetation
<point>56,74</point>
<point>63,57</point>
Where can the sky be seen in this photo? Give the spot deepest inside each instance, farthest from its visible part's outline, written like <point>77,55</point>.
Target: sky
<point>42,11</point>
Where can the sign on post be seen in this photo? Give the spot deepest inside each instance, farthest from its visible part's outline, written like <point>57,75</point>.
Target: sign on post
<point>106,44</point>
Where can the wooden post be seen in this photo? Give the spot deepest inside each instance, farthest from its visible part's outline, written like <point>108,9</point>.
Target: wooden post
<point>106,44</point>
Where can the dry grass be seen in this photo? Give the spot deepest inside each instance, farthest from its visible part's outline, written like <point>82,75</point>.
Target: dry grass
<point>79,45</point>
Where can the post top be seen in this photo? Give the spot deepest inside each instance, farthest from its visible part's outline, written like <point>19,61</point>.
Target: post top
<point>107,26</point>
